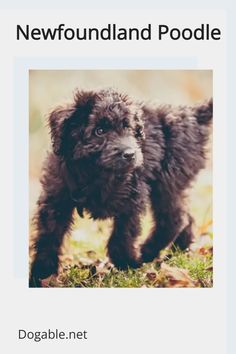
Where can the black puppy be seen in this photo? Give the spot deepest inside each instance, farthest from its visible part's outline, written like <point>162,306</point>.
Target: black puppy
<point>112,155</point>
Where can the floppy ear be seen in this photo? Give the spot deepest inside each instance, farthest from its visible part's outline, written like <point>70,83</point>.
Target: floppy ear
<point>76,113</point>
<point>56,122</point>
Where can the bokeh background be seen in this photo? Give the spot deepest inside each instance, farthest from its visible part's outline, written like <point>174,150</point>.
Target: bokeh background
<point>48,88</point>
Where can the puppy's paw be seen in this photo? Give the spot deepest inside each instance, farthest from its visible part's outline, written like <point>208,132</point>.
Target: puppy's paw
<point>148,252</point>
<point>42,269</point>
<point>122,260</point>
<point>124,264</point>
<point>43,283</point>
<point>184,239</point>
<point>34,282</point>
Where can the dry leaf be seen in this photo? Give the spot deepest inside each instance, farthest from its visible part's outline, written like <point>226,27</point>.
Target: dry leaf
<point>177,277</point>
<point>151,275</point>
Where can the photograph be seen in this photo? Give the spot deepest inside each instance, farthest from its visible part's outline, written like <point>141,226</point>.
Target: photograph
<point>120,178</point>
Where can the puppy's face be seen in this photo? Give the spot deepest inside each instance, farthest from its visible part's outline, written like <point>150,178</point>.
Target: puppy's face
<point>105,128</point>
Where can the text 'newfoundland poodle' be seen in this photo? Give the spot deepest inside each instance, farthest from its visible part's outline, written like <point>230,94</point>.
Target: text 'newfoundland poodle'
<point>111,156</point>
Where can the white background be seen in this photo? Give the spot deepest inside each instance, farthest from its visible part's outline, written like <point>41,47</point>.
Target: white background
<point>128,320</point>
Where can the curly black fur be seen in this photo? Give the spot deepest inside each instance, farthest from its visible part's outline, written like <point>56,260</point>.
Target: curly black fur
<point>111,155</point>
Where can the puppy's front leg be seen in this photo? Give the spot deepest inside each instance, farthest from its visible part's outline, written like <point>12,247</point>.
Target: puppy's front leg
<point>121,246</point>
<point>53,220</point>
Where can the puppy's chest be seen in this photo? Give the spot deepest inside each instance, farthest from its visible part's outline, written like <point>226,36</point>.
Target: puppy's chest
<point>104,202</point>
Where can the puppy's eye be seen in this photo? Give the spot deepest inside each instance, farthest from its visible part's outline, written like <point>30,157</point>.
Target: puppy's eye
<point>139,132</point>
<point>125,123</point>
<point>99,131</point>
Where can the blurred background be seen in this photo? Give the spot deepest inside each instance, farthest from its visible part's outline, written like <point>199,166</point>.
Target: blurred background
<point>48,88</point>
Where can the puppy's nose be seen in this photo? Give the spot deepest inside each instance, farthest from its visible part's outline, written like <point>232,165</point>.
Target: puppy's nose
<point>128,154</point>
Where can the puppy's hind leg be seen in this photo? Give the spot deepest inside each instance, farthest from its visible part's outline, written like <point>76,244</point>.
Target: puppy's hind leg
<point>169,226</point>
<point>186,236</point>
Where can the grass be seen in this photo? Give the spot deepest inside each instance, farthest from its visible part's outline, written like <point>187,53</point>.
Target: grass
<point>174,269</point>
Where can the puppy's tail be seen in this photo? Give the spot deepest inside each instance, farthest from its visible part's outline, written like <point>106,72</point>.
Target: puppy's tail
<point>204,113</point>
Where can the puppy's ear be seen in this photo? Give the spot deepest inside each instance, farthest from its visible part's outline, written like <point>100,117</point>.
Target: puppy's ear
<point>76,113</point>
<point>56,122</point>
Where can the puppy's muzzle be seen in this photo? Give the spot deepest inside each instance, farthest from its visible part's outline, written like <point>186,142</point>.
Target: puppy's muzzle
<point>128,155</point>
